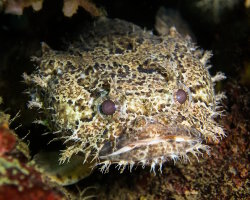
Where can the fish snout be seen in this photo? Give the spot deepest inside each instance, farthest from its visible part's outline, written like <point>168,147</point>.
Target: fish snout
<point>153,143</point>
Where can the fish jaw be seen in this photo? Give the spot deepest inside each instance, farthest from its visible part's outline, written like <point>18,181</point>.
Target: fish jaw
<point>152,146</point>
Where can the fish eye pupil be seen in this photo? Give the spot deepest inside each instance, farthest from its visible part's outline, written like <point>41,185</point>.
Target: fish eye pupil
<point>181,96</point>
<point>108,107</point>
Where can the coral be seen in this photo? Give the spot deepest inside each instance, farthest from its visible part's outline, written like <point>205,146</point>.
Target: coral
<point>247,3</point>
<point>70,7</point>
<point>16,6</point>
<point>19,179</point>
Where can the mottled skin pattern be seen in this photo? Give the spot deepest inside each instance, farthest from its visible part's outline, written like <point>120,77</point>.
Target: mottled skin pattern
<point>141,73</point>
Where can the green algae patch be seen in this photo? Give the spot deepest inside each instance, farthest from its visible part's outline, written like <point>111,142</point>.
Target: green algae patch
<point>10,168</point>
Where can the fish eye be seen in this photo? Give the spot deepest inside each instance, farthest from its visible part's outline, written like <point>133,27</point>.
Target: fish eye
<point>181,96</point>
<point>108,107</point>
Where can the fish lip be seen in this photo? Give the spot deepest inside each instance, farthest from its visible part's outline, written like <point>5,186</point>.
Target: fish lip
<point>133,145</point>
<point>161,133</point>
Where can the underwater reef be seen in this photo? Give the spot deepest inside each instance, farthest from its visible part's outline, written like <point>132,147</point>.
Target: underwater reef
<point>218,25</point>
<point>19,178</point>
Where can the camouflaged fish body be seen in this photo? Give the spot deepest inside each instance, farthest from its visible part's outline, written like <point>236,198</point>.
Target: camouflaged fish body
<point>124,95</point>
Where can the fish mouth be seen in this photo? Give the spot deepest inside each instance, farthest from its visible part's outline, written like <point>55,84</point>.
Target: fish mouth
<point>153,143</point>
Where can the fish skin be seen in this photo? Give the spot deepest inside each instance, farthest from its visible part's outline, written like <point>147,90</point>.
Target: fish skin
<point>141,73</point>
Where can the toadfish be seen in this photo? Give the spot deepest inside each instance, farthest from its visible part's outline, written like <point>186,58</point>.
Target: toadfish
<point>123,95</point>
